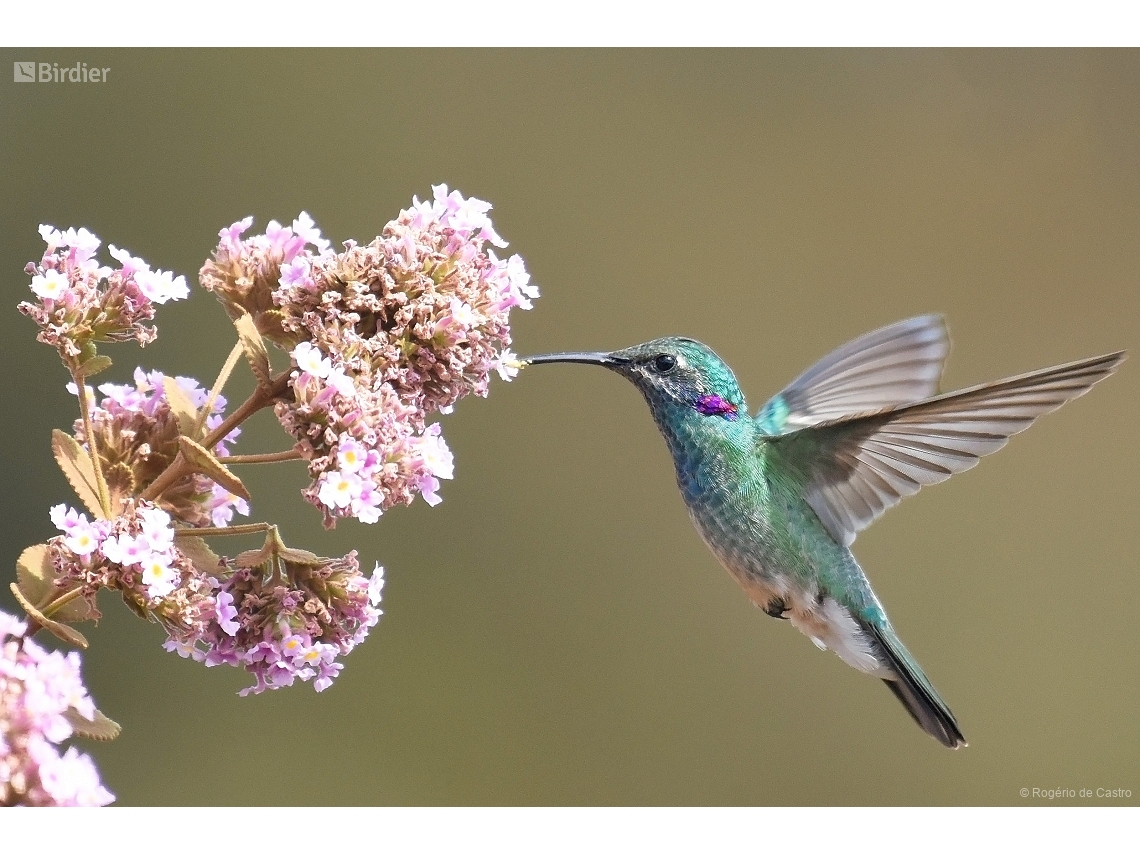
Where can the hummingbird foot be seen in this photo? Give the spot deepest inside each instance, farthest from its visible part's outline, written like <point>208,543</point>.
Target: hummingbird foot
<point>777,608</point>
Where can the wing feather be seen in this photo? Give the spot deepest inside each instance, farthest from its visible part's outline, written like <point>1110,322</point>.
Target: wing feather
<point>894,365</point>
<point>858,466</point>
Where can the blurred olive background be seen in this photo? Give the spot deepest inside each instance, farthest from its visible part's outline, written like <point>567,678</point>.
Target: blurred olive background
<point>555,631</point>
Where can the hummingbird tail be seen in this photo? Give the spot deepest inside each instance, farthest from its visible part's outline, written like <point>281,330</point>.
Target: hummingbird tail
<point>915,691</point>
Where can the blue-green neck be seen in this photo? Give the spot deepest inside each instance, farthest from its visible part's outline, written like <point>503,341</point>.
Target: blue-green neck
<point>708,449</point>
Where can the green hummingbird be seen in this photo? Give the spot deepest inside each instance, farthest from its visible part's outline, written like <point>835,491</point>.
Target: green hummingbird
<point>779,497</point>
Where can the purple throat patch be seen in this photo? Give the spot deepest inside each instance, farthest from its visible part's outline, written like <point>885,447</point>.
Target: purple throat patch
<point>715,405</point>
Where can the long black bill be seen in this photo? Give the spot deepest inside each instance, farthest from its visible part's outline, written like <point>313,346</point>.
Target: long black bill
<point>607,360</point>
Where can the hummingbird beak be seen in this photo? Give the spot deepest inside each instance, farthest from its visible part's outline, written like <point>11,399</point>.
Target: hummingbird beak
<point>606,360</point>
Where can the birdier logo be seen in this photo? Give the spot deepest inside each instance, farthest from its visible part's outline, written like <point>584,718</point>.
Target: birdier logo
<point>52,72</point>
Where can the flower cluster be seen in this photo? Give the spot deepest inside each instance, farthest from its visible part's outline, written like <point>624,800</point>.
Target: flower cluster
<point>81,302</point>
<point>38,691</point>
<point>366,451</point>
<point>291,623</point>
<point>382,336</point>
<point>279,614</point>
<point>245,273</point>
<point>136,434</point>
<point>134,553</point>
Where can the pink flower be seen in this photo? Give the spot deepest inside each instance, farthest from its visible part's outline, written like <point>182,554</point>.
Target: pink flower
<point>227,614</point>
<point>37,689</point>
<point>66,519</point>
<point>122,549</point>
<point>296,272</point>
<point>382,336</point>
<point>428,485</point>
<point>160,285</point>
<point>148,569</point>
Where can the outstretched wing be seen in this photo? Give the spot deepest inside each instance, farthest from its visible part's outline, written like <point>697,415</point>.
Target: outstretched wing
<point>890,366</point>
<point>857,467</point>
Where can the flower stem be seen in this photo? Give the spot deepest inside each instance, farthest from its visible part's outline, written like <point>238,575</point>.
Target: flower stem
<point>219,384</point>
<point>224,531</point>
<point>258,400</point>
<point>57,604</point>
<point>180,467</point>
<point>270,457</point>
<point>89,430</point>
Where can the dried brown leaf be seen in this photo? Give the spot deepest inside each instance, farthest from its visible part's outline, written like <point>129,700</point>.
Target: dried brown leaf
<point>211,467</point>
<point>102,729</point>
<point>253,345</point>
<point>76,464</point>
<point>180,405</point>
<point>204,559</point>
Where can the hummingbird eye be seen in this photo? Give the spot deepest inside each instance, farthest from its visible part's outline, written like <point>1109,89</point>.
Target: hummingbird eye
<point>664,363</point>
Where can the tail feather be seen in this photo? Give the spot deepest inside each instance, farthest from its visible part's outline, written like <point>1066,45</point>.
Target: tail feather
<point>915,691</point>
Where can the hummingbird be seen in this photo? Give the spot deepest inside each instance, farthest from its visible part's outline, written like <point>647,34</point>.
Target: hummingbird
<point>779,496</point>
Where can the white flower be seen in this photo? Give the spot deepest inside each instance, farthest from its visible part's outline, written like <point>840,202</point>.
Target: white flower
<point>51,285</point>
<point>51,236</point>
<point>340,381</point>
<point>305,228</point>
<point>158,576</point>
<point>310,360</point>
<point>436,456</point>
<point>83,539</point>
<point>338,489</point>
<point>508,365</point>
<point>376,585</point>
<point>161,285</point>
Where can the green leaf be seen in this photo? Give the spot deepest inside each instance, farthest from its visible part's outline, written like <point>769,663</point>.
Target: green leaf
<point>137,605</point>
<point>254,348</point>
<point>95,365</point>
<point>102,729</point>
<point>35,574</point>
<point>76,464</point>
<point>59,630</point>
<point>254,557</point>
<point>204,559</point>
<point>180,405</point>
<point>211,467</point>
<point>300,556</point>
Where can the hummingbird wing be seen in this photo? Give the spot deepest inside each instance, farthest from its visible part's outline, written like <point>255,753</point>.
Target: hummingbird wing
<point>894,365</point>
<point>858,466</point>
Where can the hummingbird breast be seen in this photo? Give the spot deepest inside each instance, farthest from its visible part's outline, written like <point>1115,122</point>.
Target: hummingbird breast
<point>752,516</point>
<point>730,497</point>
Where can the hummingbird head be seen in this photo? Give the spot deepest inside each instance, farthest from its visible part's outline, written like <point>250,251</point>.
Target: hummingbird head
<point>671,373</point>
